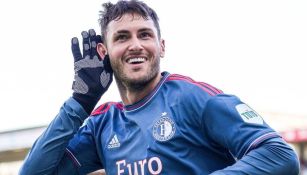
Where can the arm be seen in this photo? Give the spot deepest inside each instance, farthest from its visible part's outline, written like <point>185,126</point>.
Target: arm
<point>93,76</point>
<point>273,156</point>
<point>49,148</point>
<point>257,148</point>
<point>64,148</point>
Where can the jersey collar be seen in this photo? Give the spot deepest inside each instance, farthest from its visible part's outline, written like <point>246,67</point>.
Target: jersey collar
<point>146,99</point>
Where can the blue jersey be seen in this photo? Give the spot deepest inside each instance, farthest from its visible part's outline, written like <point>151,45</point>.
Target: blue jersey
<point>182,127</point>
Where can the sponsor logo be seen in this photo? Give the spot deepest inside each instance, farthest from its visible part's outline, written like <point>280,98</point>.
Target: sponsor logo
<point>164,129</point>
<point>114,143</point>
<point>248,114</point>
<point>151,165</point>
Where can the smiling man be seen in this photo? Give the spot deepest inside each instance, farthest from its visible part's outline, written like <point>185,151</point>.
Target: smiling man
<point>135,47</point>
<point>165,124</point>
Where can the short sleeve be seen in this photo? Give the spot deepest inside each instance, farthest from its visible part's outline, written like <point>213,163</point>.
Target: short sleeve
<point>234,125</point>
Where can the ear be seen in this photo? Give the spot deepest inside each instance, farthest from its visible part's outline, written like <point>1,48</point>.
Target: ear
<point>162,48</point>
<point>102,50</point>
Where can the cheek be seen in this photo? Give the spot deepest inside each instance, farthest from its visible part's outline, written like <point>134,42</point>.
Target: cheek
<point>113,62</point>
<point>157,48</point>
<point>116,52</point>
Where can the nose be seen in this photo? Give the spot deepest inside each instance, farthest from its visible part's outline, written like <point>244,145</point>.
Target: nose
<point>135,44</point>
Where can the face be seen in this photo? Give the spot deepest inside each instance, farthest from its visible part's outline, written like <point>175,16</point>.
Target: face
<point>134,49</point>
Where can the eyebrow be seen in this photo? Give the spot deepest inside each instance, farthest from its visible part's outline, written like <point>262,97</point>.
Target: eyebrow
<point>127,31</point>
<point>121,32</point>
<point>146,30</point>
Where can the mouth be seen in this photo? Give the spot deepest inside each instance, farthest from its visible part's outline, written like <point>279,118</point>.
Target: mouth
<point>136,60</point>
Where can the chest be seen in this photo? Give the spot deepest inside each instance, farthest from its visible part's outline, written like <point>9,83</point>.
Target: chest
<point>144,140</point>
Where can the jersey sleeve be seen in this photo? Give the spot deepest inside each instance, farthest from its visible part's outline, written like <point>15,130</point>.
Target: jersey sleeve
<point>50,154</point>
<point>83,152</point>
<point>273,157</point>
<point>235,126</point>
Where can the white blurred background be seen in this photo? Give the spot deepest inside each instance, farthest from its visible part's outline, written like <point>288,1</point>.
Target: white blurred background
<point>253,49</point>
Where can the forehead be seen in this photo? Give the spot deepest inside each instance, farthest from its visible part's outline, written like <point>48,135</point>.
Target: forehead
<point>130,22</point>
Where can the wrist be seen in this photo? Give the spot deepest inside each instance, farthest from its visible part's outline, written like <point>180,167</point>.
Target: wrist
<point>86,101</point>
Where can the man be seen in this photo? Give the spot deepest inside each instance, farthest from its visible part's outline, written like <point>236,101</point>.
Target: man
<point>165,124</point>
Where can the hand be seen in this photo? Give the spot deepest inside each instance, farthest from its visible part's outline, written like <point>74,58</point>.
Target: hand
<point>93,74</point>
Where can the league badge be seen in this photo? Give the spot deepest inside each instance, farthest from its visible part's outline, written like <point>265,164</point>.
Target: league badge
<point>248,114</point>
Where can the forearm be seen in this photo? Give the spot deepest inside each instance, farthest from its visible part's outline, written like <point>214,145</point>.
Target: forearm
<point>49,148</point>
<point>272,158</point>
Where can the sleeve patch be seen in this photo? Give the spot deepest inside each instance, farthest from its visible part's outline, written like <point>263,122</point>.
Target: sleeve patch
<point>248,114</point>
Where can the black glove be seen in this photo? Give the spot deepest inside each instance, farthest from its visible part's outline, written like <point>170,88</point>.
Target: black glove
<point>93,74</point>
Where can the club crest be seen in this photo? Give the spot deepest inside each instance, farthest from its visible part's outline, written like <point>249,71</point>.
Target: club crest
<point>164,129</point>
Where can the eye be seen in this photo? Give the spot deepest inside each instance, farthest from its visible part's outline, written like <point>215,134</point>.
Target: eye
<point>121,38</point>
<point>145,35</point>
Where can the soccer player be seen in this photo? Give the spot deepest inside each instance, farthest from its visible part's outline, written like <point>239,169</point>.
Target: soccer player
<point>165,124</point>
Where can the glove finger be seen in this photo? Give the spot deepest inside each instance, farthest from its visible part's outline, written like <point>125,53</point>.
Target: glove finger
<point>107,64</point>
<point>92,34</point>
<point>76,49</point>
<point>86,43</point>
<point>98,39</point>
<point>94,43</point>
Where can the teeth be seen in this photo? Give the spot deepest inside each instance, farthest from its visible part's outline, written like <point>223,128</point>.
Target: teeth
<point>136,60</point>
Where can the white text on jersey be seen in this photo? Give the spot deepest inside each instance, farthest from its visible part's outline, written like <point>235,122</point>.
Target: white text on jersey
<point>154,166</point>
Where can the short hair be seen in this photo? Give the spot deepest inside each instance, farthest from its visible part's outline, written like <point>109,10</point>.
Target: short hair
<point>112,12</point>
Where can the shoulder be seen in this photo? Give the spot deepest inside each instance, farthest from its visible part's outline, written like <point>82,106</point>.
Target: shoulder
<point>107,107</point>
<point>102,115</point>
<point>189,94</point>
<point>191,85</point>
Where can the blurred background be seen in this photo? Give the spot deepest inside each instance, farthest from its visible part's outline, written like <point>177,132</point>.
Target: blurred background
<point>253,49</point>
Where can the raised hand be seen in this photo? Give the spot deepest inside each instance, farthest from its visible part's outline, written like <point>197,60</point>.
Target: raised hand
<point>93,74</point>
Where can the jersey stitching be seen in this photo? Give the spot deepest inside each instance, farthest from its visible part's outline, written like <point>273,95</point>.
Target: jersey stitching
<point>75,160</point>
<point>99,109</point>
<point>204,86</point>
<point>214,89</point>
<point>259,140</point>
<point>105,107</point>
<point>200,86</point>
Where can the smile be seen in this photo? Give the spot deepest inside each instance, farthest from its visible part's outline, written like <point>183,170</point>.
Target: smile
<point>136,60</point>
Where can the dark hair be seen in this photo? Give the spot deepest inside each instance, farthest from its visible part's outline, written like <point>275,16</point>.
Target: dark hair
<point>116,11</point>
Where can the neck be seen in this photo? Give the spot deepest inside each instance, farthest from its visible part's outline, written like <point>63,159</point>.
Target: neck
<point>131,95</point>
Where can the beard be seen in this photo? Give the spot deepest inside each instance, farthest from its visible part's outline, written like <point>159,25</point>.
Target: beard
<point>124,81</point>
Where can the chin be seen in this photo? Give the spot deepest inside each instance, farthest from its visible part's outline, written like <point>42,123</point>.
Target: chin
<point>139,80</point>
